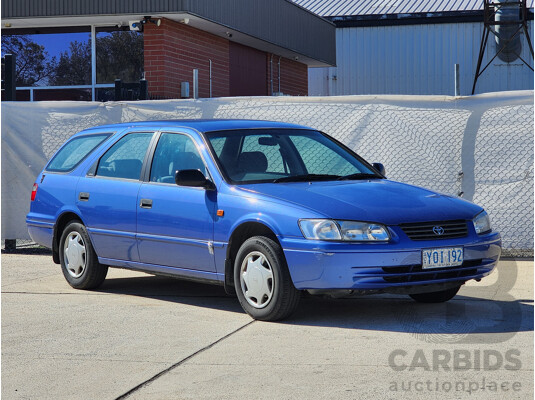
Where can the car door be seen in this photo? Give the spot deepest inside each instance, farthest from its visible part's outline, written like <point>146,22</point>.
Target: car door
<point>175,223</point>
<point>107,197</point>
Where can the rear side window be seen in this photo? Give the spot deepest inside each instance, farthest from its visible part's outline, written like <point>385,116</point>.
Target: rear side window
<point>125,158</point>
<point>75,151</point>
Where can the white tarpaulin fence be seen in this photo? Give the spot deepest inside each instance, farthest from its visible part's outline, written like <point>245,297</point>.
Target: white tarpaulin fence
<point>481,146</point>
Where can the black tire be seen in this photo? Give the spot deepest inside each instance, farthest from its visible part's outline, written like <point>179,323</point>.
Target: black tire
<point>84,271</point>
<point>284,296</point>
<point>436,297</point>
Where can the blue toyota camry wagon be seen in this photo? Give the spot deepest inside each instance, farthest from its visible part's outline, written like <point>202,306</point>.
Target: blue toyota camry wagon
<point>266,209</point>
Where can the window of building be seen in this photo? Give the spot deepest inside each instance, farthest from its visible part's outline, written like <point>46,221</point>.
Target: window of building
<point>119,56</point>
<point>57,63</point>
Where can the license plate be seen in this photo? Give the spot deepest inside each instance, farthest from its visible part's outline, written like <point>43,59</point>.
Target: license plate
<point>444,257</point>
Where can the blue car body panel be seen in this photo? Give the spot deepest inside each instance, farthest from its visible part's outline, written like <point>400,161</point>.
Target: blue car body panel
<point>365,267</point>
<point>377,200</point>
<point>182,234</point>
<point>178,229</point>
<point>110,215</point>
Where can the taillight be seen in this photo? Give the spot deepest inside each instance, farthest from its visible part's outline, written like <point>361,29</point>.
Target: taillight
<point>34,191</point>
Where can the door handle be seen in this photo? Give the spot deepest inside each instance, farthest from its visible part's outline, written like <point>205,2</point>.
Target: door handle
<point>83,196</point>
<point>145,203</point>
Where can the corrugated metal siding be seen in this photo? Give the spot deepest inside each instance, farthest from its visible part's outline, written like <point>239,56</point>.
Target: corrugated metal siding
<point>416,59</point>
<point>280,21</point>
<point>337,8</point>
<point>49,8</point>
<point>276,21</point>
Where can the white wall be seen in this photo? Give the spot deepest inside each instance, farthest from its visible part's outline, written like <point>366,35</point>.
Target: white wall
<point>417,59</point>
<point>422,140</point>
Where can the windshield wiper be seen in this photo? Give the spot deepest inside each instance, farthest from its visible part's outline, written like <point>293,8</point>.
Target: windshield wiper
<point>307,177</point>
<point>359,176</point>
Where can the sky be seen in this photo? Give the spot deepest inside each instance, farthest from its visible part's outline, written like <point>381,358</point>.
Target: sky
<point>59,42</point>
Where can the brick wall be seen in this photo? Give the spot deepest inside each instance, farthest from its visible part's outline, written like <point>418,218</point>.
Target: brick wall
<point>293,76</point>
<point>247,71</point>
<point>173,50</point>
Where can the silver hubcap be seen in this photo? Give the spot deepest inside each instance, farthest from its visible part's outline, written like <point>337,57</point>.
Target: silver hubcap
<point>74,254</point>
<point>256,279</point>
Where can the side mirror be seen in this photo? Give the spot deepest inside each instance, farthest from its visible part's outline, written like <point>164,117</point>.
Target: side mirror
<point>193,178</point>
<point>379,167</point>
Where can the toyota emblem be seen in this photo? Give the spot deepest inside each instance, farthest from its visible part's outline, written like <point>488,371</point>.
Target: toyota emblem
<point>438,230</point>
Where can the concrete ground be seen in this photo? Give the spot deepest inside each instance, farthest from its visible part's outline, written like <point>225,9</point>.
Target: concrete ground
<point>145,337</point>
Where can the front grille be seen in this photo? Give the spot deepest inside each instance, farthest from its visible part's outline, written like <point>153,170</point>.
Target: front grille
<point>444,230</point>
<point>415,273</point>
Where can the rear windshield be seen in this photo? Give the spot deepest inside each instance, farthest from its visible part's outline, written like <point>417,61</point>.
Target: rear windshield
<point>74,151</point>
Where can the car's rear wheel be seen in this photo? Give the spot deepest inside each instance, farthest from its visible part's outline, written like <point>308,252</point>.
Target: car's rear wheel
<point>78,259</point>
<point>436,297</point>
<point>262,280</point>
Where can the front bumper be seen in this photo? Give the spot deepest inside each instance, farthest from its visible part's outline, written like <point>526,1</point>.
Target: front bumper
<point>385,267</point>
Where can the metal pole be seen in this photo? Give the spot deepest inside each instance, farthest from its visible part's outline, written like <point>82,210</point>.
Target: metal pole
<point>118,90</point>
<point>143,90</point>
<point>457,81</point>
<point>93,61</point>
<point>195,83</point>
<point>10,245</point>
<point>525,26</point>
<point>210,78</point>
<point>10,77</point>
<point>271,73</point>
<point>279,75</point>
<point>481,54</point>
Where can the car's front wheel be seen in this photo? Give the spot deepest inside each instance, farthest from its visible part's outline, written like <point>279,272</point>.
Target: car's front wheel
<point>78,259</point>
<point>436,297</point>
<point>262,280</point>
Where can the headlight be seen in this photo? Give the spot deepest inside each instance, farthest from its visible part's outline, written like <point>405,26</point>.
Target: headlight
<point>327,229</point>
<point>481,223</point>
<point>358,231</point>
<point>322,229</point>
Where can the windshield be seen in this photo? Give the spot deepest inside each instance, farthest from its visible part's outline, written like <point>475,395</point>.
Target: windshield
<point>284,155</point>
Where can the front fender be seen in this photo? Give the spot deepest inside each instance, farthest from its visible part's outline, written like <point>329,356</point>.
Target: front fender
<point>258,217</point>
<point>281,218</point>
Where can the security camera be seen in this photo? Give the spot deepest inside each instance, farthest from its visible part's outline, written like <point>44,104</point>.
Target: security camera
<point>148,18</point>
<point>134,25</point>
<point>138,25</point>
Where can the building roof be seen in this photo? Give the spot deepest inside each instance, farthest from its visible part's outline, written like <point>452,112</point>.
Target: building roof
<point>275,26</point>
<point>339,8</point>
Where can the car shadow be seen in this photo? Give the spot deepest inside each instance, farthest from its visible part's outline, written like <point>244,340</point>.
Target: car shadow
<point>29,250</point>
<point>173,290</point>
<point>453,321</point>
<point>463,315</point>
